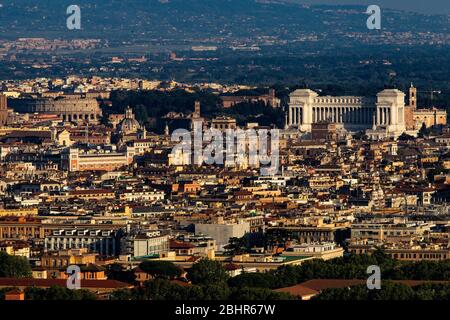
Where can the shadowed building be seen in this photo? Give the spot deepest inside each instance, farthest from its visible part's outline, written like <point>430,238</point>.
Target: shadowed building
<point>3,110</point>
<point>269,99</point>
<point>323,131</point>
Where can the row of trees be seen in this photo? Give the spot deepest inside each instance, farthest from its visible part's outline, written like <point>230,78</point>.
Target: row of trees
<point>58,293</point>
<point>161,289</point>
<point>14,267</point>
<point>204,272</point>
<point>19,267</point>
<point>211,281</point>
<point>388,291</point>
<point>53,293</point>
<point>258,112</point>
<point>349,267</point>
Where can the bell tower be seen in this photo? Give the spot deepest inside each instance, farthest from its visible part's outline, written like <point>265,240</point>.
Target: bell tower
<point>197,110</point>
<point>129,113</point>
<point>413,97</point>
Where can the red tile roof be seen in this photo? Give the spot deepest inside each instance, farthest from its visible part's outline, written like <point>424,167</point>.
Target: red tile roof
<point>91,191</point>
<point>298,290</point>
<point>45,283</point>
<point>180,245</point>
<point>231,267</point>
<point>322,284</point>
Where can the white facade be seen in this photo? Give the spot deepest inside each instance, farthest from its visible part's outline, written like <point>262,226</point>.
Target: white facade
<point>313,247</point>
<point>354,113</point>
<point>142,195</point>
<point>104,242</point>
<point>78,160</point>
<point>222,232</point>
<point>149,244</point>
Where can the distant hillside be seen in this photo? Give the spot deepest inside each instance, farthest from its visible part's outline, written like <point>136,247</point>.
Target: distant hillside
<point>184,19</point>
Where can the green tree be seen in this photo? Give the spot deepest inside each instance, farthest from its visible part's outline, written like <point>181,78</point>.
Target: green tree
<point>14,267</point>
<point>254,280</point>
<point>123,294</point>
<point>405,137</point>
<point>388,291</point>
<point>163,289</point>
<point>115,271</point>
<point>352,293</point>
<point>208,272</point>
<point>58,293</point>
<point>259,294</point>
<point>432,291</point>
<point>276,238</point>
<point>237,246</point>
<point>216,292</point>
<point>392,291</point>
<point>424,131</point>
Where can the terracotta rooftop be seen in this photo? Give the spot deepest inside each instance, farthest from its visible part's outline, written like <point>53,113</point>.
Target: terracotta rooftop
<point>180,245</point>
<point>45,283</point>
<point>298,290</point>
<point>92,191</point>
<point>231,267</point>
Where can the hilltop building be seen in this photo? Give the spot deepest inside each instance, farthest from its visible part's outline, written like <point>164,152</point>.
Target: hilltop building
<point>269,99</point>
<point>415,117</point>
<point>386,112</point>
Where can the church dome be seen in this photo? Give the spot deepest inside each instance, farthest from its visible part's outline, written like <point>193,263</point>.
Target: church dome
<point>129,124</point>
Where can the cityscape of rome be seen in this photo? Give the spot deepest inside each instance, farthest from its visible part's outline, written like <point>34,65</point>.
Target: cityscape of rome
<point>229,168</point>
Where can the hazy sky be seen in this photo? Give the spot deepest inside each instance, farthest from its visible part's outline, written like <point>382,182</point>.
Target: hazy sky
<point>423,6</point>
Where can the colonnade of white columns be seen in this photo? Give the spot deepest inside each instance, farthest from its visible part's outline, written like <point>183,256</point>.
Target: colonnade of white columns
<point>295,116</point>
<point>384,116</point>
<point>343,114</point>
<point>353,115</point>
<point>387,110</point>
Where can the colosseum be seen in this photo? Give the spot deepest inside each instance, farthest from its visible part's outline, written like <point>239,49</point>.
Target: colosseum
<point>79,108</point>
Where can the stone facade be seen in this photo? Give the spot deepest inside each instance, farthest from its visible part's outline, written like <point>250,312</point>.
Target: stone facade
<point>415,117</point>
<point>354,113</point>
<point>71,108</point>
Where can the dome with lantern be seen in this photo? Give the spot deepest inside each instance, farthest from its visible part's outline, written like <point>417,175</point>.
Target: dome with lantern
<point>129,124</point>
